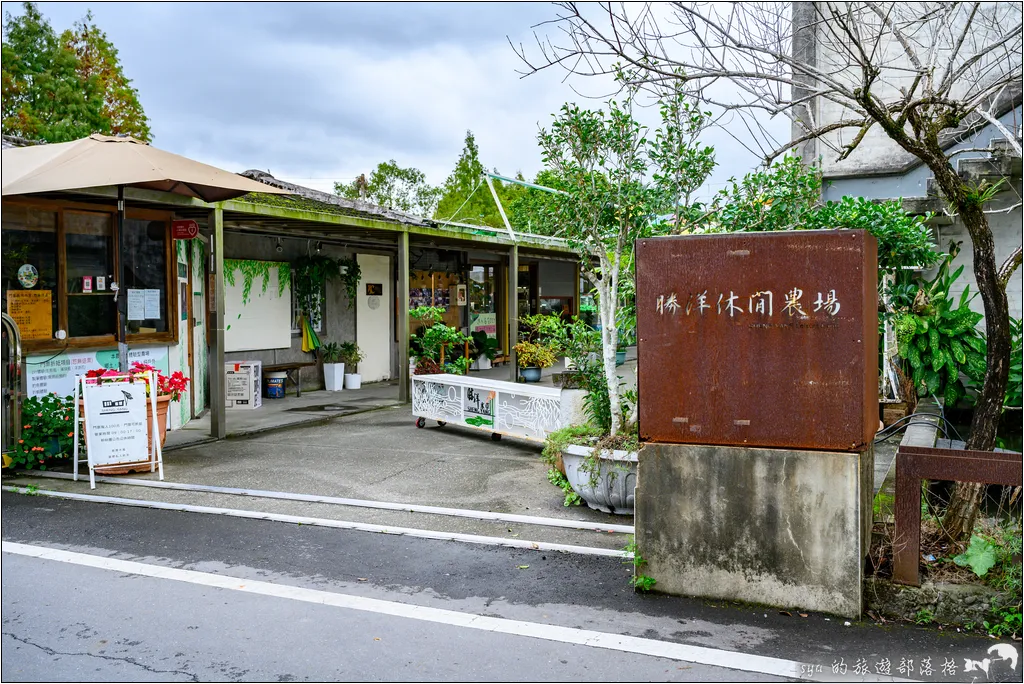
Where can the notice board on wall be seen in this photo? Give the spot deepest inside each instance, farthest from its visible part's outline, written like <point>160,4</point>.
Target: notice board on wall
<point>257,305</point>
<point>32,310</point>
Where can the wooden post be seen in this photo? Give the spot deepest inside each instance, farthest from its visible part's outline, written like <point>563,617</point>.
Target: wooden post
<point>466,372</point>
<point>218,396</point>
<point>403,317</point>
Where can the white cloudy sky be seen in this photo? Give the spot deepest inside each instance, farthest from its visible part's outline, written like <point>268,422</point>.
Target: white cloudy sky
<point>319,92</point>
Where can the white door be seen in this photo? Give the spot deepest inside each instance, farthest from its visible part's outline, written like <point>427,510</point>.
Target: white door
<point>373,317</point>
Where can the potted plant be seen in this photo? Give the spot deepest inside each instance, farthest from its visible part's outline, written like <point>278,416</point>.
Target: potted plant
<point>168,389</point>
<point>581,345</point>
<point>485,348</point>
<point>430,341</point>
<point>350,355</point>
<point>334,371</point>
<point>47,432</point>
<point>533,357</point>
<point>539,346</point>
<point>589,466</point>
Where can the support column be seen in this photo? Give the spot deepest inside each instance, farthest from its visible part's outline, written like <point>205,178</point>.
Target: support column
<point>403,317</point>
<point>218,396</point>
<point>513,311</point>
<point>576,289</point>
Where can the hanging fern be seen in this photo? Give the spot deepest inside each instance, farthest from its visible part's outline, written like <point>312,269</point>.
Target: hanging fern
<point>311,275</point>
<point>351,276</point>
<point>252,269</point>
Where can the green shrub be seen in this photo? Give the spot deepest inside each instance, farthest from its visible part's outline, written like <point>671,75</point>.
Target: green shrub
<point>47,432</point>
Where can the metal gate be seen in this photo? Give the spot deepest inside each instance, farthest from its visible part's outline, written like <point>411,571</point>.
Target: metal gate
<point>11,384</point>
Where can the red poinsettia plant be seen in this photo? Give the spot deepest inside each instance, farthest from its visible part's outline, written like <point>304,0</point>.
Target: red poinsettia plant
<point>173,384</point>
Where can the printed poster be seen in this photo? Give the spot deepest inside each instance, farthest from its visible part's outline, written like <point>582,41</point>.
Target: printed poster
<point>32,310</point>
<point>45,373</point>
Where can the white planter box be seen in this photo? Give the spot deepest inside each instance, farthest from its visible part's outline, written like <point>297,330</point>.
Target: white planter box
<point>482,363</point>
<point>495,406</point>
<point>353,381</point>
<point>334,376</point>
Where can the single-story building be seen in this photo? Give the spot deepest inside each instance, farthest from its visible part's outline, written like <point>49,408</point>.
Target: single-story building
<point>226,295</point>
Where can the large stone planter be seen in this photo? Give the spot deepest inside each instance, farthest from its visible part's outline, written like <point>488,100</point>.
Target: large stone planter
<point>616,480</point>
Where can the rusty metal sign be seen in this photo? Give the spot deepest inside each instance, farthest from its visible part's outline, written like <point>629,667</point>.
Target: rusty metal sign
<point>759,339</point>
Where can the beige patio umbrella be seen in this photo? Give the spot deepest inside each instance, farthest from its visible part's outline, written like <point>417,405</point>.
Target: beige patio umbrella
<point>103,161</point>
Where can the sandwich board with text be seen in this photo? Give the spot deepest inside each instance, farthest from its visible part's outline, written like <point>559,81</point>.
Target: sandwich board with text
<point>113,415</point>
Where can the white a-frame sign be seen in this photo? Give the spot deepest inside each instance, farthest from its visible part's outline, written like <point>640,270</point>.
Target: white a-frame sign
<point>114,417</point>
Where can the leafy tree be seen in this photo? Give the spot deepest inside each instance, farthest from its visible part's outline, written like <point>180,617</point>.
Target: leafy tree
<point>44,98</point>
<point>464,195</point>
<point>785,196</point>
<point>97,59</point>
<point>63,88</point>
<point>395,187</point>
<point>617,180</point>
<point>534,211</point>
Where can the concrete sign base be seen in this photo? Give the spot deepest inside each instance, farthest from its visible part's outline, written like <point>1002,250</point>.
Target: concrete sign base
<point>772,526</point>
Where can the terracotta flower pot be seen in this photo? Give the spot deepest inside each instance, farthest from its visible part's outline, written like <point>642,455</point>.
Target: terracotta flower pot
<point>163,402</point>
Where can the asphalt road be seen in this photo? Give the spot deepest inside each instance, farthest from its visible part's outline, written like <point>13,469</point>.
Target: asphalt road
<point>148,595</point>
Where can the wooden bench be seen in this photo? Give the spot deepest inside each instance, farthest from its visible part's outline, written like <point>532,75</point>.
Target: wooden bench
<point>293,372</point>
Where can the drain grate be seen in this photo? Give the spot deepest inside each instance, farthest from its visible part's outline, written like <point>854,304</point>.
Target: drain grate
<point>325,407</point>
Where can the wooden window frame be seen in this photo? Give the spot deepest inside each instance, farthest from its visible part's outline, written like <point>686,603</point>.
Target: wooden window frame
<point>170,275</point>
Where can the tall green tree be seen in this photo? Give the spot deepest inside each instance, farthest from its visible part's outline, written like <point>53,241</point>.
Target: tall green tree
<point>395,187</point>
<point>533,211</point>
<point>98,61</point>
<point>60,88</point>
<point>618,178</point>
<point>465,197</point>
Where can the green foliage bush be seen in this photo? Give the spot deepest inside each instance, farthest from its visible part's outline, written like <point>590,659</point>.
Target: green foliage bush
<point>47,432</point>
<point>937,338</point>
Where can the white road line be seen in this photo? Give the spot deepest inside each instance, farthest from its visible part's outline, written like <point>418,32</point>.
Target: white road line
<point>360,503</point>
<point>326,522</point>
<point>744,662</point>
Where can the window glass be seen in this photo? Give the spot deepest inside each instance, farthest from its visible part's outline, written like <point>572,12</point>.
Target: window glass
<point>483,309</point>
<point>561,306</point>
<point>89,251</point>
<point>145,268</point>
<point>29,246</point>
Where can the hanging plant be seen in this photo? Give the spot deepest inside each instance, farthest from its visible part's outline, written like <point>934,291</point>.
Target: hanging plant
<point>252,269</point>
<point>351,275</point>
<point>311,276</point>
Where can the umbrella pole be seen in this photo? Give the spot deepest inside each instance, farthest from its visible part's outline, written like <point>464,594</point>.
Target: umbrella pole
<point>121,301</point>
